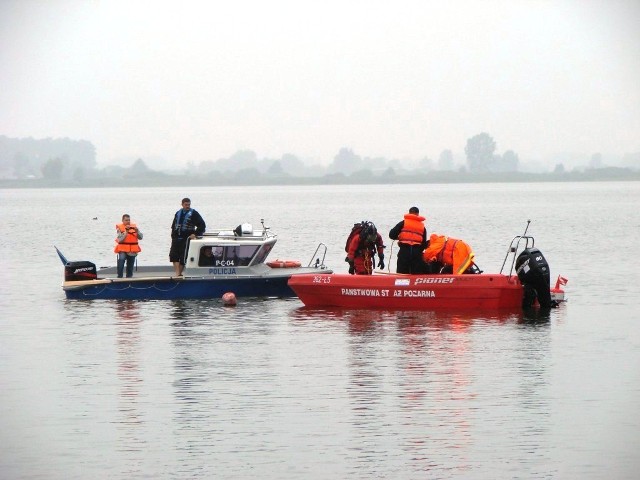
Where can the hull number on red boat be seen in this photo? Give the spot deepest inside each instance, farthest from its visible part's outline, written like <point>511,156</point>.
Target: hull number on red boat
<point>322,279</point>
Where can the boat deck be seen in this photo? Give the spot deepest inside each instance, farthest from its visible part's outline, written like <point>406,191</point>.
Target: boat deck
<point>146,271</point>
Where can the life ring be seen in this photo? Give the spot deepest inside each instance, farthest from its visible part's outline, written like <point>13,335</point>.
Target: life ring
<point>284,264</point>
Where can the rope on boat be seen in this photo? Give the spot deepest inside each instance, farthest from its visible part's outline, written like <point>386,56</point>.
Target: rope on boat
<point>390,257</point>
<point>107,287</point>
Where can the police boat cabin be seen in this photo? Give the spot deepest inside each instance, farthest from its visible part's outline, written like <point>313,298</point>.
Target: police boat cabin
<point>229,252</point>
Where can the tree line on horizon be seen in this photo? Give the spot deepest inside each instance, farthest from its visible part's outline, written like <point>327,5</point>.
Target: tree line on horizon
<point>66,159</point>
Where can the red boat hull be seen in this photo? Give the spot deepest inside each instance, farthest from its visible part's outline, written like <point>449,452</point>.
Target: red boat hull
<point>408,292</point>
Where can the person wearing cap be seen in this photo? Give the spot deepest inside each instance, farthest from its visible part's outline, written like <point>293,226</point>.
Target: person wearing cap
<point>411,235</point>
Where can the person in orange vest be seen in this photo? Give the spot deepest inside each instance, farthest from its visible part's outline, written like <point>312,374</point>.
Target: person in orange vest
<point>411,235</point>
<point>127,246</point>
<point>450,252</point>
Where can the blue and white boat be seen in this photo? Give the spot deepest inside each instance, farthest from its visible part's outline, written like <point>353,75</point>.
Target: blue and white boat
<point>221,261</point>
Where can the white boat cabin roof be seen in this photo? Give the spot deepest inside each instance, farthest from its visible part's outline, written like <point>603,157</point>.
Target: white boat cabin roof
<point>238,247</point>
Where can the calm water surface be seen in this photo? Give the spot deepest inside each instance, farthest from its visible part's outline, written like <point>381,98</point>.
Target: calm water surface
<point>268,389</point>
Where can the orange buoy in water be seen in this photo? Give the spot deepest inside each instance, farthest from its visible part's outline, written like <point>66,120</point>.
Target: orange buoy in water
<point>284,264</point>
<point>229,299</point>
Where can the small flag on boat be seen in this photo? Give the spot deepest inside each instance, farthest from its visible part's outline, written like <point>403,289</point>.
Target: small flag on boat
<point>560,281</point>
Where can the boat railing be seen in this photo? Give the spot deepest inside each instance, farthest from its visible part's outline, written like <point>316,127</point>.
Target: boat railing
<point>515,246</point>
<point>231,233</point>
<point>317,260</point>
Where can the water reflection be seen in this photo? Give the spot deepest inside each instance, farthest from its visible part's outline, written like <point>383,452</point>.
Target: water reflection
<point>367,321</point>
<point>223,379</point>
<point>531,395</point>
<point>536,316</point>
<point>189,337</point>
<point>130,418</point>
<point>419,378</point>
<point>196,367</point>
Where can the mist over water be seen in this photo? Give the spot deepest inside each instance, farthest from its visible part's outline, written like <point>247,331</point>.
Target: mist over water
<point>175,389</point>
<point>203,80</point>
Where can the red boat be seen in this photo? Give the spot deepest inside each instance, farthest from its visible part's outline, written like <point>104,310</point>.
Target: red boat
<point>437,291</point>
<point>409,292</point>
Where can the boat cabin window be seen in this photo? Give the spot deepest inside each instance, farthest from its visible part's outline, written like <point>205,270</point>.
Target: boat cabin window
<point>231,256</point>
<point>262,254</point>
<point>209,256</point>
<point>245,253</point>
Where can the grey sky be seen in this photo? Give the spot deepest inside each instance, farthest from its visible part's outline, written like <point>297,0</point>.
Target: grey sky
<point>194,81</point>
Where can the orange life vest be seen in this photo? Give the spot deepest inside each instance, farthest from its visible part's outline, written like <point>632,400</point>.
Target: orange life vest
<point>130,242</point>
<point>449,251</point>
<point>412,230</point>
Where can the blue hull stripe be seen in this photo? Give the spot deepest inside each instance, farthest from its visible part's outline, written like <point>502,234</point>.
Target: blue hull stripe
<point>184,289</point>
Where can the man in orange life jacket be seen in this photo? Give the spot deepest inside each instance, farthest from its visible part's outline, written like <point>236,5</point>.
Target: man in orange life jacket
<point>450,252</point>
<point>127,246</point>
<point>412,240</point>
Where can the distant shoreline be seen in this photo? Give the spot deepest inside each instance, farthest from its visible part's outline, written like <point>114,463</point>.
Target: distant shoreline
<point>434,177</point>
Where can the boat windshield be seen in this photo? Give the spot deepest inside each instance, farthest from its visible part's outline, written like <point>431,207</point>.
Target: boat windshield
<point>262,254</point>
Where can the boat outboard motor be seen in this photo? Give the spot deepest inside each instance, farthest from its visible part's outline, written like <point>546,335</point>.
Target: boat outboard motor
<point>533,272</point>
<point>75,271</point>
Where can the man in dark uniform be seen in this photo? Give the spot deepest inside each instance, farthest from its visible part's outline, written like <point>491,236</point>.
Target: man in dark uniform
<point>187,224</point>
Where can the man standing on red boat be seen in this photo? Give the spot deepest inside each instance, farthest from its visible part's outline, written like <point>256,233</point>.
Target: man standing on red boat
<point>411,235</point>
<point>361,249</point>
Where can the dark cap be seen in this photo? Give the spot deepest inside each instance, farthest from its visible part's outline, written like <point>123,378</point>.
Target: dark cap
<point>414,210</point>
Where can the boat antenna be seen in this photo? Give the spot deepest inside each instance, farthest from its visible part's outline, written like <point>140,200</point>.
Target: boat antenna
<point>526,228</point>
